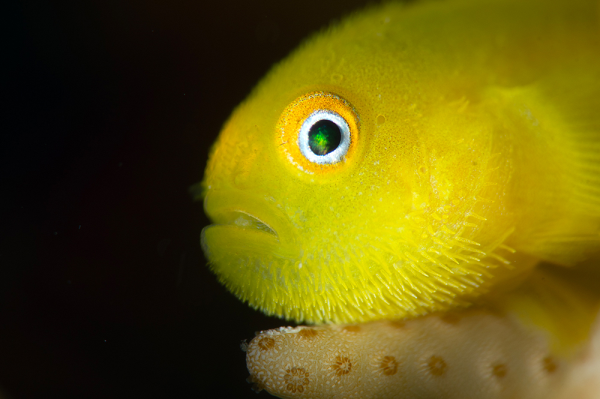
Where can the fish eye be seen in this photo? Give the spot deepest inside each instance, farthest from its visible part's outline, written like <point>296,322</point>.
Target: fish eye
<point>318,133</point>
<point>324,137</point>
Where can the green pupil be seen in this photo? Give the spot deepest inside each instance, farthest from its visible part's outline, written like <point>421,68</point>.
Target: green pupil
<point>324,137</point>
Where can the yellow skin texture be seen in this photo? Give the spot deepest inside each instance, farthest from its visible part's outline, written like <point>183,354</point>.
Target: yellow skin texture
<point>475,155</point>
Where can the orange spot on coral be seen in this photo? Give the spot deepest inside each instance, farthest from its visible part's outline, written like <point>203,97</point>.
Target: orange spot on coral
<point>450,318</point>
<point>296,378</point>
<point>397,323</point>
<point>266,343</point>
<point>549,364</point>
<point>342,365</point>
<point>389,365</point>
<point>437,366</point>
<point>499,370</point>
<point>307,333</point>
<point>353,329</point>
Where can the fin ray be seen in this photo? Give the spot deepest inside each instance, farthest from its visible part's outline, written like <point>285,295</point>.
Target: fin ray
<point>571,103</point>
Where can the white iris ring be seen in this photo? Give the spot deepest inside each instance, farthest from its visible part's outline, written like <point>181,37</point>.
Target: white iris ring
<point>303,139</point>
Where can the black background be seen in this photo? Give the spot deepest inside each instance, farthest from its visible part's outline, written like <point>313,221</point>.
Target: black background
<point>108,113</point>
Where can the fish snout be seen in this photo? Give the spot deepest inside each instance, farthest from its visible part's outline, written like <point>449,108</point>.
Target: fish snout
<point>244,224</point>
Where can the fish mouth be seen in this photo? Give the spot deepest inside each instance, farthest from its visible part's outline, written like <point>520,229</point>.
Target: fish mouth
<point>245,225</point>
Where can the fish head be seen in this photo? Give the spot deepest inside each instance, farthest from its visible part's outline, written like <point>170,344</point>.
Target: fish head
<point>344,191</point>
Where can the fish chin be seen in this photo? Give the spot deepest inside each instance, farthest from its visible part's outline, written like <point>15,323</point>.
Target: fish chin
<point>248,245</point>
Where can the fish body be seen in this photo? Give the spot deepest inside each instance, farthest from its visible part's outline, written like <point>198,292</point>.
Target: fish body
<point>467,150</point>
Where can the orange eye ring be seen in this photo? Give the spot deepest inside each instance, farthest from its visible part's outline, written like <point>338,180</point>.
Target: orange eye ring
<point>298,119</point>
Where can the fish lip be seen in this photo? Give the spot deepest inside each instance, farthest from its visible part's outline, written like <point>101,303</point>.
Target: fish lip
<point>245,211</point>
<point>246,220</point>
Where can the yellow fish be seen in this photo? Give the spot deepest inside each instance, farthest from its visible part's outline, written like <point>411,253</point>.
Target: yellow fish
<point>414,160</point>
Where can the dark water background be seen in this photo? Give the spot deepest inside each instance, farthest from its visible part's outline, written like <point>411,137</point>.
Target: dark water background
<point>109,109</point>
